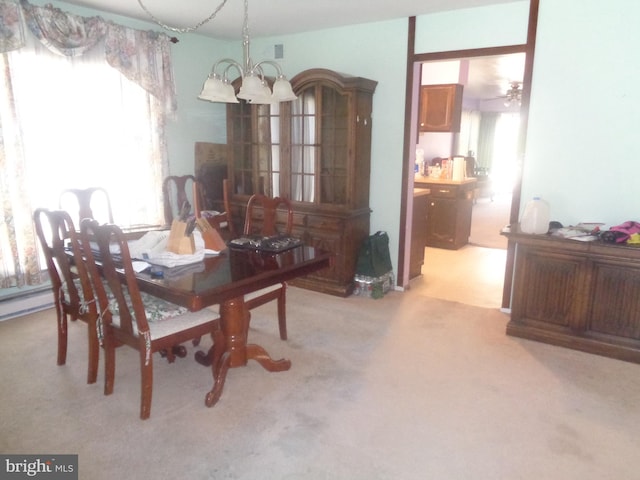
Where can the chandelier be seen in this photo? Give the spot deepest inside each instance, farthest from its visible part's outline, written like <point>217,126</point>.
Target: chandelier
<point>514,95</point>
<point>254,87</point>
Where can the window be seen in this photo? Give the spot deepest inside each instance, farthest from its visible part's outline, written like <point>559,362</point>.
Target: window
<point>84,124</point>
<point>82,103</point>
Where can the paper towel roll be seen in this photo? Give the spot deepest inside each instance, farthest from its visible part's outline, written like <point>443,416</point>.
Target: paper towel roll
<point>458,169</point>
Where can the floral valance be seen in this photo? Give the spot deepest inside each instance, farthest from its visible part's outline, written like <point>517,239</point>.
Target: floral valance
<point>11,26</point>
<point>62,32</point>
<point>144,57</point>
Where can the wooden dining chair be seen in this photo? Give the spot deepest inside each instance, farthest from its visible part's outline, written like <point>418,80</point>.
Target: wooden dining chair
<point>174,194</point>
<point>87,201</point>
<point>129,317</point>
<point>221,221</point>
<point>72,290</point>
<point>260,219</point>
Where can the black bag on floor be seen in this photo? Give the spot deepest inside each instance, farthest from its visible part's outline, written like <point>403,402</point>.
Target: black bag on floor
<point>374,259</point>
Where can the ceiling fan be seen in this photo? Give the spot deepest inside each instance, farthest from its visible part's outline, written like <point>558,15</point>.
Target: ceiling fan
<point>513,96</point>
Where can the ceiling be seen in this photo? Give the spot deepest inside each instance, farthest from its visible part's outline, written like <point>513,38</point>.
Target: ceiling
<point>276,17</point>
<point>489,77</point>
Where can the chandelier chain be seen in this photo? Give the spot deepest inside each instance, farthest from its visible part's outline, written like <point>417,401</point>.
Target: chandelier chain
<point>185,29</point>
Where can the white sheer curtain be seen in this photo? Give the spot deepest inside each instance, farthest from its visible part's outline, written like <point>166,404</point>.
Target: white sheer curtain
<point>86,125</point>
<point>486,139</point>
<point>275,149</point>
<point>505,151</point>
<point>303,147</point>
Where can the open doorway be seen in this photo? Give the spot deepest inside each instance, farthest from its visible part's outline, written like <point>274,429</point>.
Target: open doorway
<point>414,61</point>
<point>488,136</point>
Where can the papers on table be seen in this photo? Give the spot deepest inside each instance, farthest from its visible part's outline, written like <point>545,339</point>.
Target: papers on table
<point>152,248</point>
<point>140,266</point>
<point>575,233</point>
<point>149,245</point>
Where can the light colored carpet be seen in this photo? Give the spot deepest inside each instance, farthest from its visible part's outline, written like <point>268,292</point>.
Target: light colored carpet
<point>405,387</point>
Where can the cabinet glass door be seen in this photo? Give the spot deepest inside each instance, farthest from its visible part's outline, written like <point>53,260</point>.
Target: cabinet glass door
<point>334,154</point>
<point>254,136</point>
<point>304,147</point>
<point>319,146</point>
<point>298,149</point>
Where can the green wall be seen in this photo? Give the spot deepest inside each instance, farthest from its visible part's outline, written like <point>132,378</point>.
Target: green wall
<point>585,111</point>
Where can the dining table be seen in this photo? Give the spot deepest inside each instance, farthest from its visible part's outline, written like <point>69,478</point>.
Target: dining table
<point>224,280</point>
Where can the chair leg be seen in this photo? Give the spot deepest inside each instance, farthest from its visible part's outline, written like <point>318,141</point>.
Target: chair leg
<point>109,365</point>
<point>62,335</point>
<point>168,353</point>
<point>146,385</point>
<point>94,354</point>
<point>282,312</point>
<point>173,352</point>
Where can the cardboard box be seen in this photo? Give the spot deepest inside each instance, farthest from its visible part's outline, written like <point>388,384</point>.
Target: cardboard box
<point>373,287</point>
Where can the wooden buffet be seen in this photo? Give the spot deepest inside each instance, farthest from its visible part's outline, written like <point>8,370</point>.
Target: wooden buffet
<point>580,295</point>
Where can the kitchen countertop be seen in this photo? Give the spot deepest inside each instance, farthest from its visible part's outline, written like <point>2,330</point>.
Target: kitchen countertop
<point>419,179</point>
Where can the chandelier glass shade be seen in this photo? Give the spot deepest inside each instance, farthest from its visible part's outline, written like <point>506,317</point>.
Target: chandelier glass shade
<point>254,87</point>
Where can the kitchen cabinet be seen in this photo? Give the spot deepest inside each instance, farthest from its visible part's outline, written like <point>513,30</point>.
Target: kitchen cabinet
<point>580,295</point>
<point>448,211</point>
<point>440,108</point>
<point>316,152</point>
<point>418,230</point>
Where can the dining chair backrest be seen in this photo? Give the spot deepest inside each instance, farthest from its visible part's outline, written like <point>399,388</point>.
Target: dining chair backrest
<point>175,192</point>
<point>221,221</point>
<point>92,202</point>
<point>72,289</point>
<point>108,245</point>
<point>262,214</point>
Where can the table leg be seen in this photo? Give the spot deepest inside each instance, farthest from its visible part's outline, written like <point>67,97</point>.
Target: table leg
<point>230,348</point>
<point>219,366</point>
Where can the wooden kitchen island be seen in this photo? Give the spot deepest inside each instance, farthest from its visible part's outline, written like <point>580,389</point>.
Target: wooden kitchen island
<point>580,295</point>
<point>449,211</point>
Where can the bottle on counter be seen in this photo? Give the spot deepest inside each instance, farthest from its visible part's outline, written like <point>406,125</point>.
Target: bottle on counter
<point>535,217</point>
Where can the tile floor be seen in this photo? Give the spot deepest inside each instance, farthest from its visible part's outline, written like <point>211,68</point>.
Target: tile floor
<point>471,275</point>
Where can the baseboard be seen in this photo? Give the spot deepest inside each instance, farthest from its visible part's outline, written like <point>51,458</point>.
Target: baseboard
<point>19,306</point>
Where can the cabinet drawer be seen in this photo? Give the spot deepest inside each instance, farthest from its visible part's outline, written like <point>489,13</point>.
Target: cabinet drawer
<point>325,223</point>
<point>444,191</point>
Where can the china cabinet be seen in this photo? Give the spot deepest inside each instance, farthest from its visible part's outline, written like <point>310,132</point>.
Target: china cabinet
<point>315,151</point>
<point>440,108</point>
